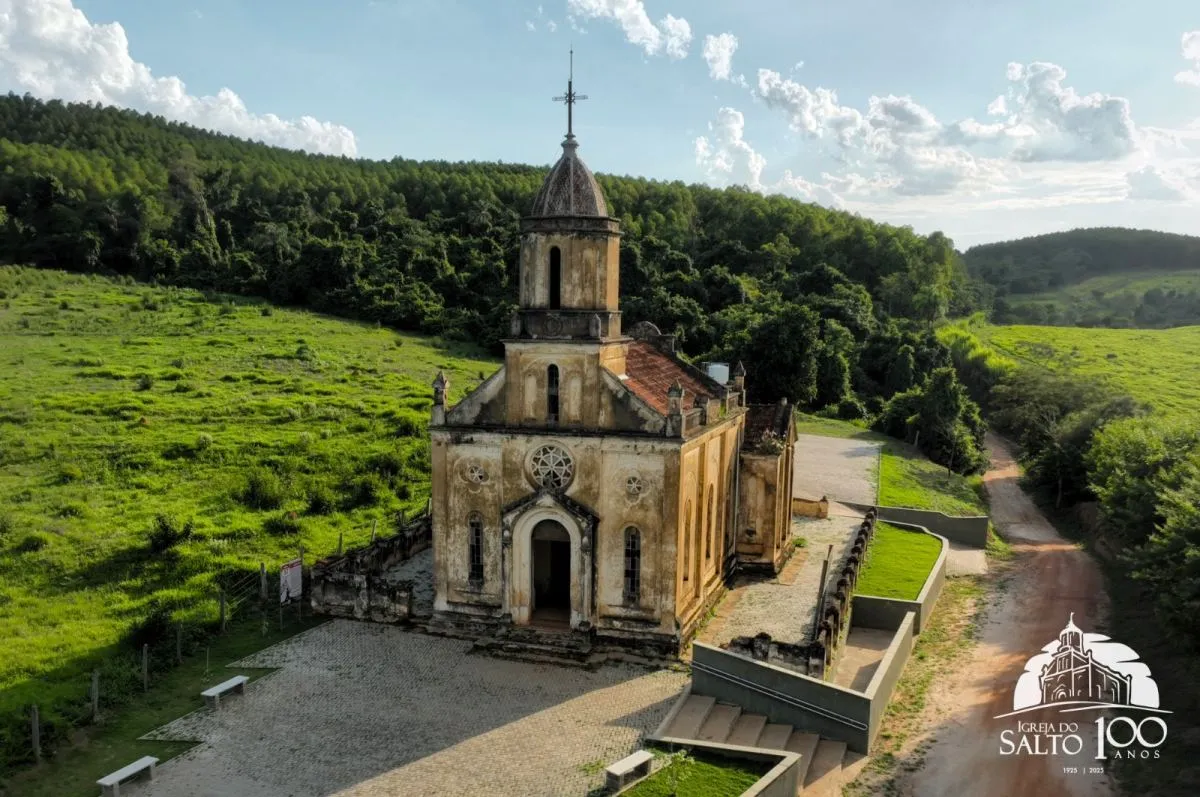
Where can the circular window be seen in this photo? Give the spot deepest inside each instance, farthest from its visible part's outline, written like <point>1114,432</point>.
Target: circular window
<point>552,467</point>
<point>476,474</point>
<point>634,485</point>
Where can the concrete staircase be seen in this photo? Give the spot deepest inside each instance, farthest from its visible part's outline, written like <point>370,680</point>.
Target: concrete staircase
<point>825,765</point>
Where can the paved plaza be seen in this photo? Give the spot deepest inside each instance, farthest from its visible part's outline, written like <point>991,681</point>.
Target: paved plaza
<point>364,710</point>
<point>837,468</point>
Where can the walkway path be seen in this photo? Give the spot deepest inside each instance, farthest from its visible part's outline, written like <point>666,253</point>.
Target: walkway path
<point>837,468</point>
<point>370,710</point>
<point>1052,578</point>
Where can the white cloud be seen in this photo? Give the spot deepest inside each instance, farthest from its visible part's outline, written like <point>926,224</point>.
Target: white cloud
<point>529,26</point>
<point>718,52</point>
<point>727,156</point>
<point>1156,183</point>
<point>50,49</point>
<point>551,26</point>
<point>672,35</point>
<point>997,107</point>
<point>1191,52</point>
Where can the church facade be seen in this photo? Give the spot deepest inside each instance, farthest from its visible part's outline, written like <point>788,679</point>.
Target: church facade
<point>597,484</point>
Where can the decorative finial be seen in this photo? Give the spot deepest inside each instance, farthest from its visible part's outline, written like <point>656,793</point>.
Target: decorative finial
<point>570,98</point>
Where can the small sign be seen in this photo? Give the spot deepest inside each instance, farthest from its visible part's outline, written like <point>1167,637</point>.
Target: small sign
<point>291,581</point>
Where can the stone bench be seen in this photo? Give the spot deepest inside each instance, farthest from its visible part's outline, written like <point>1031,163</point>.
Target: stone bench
<point>212,696</point>
<point>110,785</point>
<point>635,765</point>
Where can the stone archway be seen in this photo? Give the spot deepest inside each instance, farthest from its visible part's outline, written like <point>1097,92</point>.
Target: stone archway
<point>546,540</point>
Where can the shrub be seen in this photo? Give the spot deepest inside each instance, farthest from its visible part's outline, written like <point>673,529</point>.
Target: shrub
<point>387,464</point>
<point>178,362</point>
<point>23,322</point>
<point>167,533</point>
<point>32,542</point>
<point>70,510</point>
<point>408,425</point>
<point>266,311</point>
<point>286,524</point>
<point>204,441</point>
<point>321,499</point>
<point>145,382</point>
<point>264,490</point>
<point>365,490</point>
<point>851,409</point>
<point>8,523</point>
<point>227,309</point>
<point>305,354</point>
<point>69,472</point>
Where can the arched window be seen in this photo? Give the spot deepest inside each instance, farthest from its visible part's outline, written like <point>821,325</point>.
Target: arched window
<point>633,564</point>
<point>552,394</point>
<point>555,278</point>
<point>708,536</point>
<point>687,541</point>
<point>475,548</point>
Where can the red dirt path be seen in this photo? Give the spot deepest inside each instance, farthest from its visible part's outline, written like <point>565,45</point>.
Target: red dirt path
<point>1050,579</point>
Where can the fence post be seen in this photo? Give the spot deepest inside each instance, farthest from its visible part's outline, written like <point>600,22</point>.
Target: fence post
<point>36,730</point>
<point>374,524</point>
<point>95,695</point>
<point>221,596</point>
<point>146,667</point>
<point>262,581</point>
<point>339,553</point>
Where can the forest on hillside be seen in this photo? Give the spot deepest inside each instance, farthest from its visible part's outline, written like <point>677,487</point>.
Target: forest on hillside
<point>829,309</point>
<point>1108,277</point>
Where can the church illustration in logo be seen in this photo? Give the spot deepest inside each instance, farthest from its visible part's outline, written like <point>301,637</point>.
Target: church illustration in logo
<point>1080,671</point>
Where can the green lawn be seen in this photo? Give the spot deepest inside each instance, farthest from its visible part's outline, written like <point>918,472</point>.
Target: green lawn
<point>898,563</point>
<point>701,777</point>
<point>251,430</point>
<point>907,478</point>
<point>1157,366</point>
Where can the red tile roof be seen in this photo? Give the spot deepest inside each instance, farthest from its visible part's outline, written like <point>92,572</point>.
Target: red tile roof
<point>651,374</point>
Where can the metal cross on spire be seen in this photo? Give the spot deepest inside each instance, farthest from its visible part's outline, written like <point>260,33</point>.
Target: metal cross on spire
<point>570,98</point>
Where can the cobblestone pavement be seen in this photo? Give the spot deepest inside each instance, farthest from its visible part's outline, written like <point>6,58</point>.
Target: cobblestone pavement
<point>837,468</point>
<point>365,710</point>
<point>784,606</point>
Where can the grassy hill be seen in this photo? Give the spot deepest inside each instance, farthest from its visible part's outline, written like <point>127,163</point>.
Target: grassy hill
<point>1094,277</point>
<point>155,444</point>
<point>1157,366</point>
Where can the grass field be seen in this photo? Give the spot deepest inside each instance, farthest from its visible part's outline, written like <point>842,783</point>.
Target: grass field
<point>1158,367</point>
<point>699,777</point>
<point>898,563</point>
<point>155,442</point>
<point>1135,282</point>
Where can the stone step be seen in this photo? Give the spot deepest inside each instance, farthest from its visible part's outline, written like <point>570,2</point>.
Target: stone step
<point>746,730</point>
<point>719,723</point>
<point>824,778</point>
<point>804,744</point>
<point>775,736</point>
<point>691,716</point>
<point>545,654</point>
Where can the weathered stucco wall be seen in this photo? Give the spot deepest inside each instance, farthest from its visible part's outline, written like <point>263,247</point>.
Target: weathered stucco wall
<point>590,269</point>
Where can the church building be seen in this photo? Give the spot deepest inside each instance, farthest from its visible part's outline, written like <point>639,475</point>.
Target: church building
<point>598,485</point>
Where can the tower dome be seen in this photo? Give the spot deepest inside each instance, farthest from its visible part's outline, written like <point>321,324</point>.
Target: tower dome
<point>570,188</point>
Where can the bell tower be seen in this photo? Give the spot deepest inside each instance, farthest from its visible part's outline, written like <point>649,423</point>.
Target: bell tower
<point>570,257</point>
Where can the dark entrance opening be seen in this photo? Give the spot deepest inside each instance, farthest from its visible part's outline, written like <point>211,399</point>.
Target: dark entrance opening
<point>551,574</point>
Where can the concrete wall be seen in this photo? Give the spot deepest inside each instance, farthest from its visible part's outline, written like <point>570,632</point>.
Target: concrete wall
<point>879,691</point>
<point>964,530</point>
<point>809,508</point>
<point>872,611</point>
<point>783,696</point>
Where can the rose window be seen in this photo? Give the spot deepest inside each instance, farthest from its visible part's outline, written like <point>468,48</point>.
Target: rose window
<point>634,486</point>
<point>476,474</point>
<point>552,467</point>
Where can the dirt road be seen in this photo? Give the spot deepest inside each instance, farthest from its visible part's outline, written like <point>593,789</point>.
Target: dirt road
<point>1050,579</point>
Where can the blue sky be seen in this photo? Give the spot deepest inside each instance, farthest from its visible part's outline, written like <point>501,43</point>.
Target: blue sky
<point>888,109</point>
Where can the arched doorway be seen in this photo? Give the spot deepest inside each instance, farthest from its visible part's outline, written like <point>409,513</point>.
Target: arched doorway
<point>551,576</point>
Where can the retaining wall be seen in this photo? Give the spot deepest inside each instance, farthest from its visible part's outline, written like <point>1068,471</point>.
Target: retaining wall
<point>782,780</point>
<point>964,530</point>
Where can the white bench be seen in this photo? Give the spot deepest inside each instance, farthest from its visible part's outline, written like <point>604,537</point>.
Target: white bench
<point>110,785</point>
<point>636,764</point>
<point>237,683</point>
